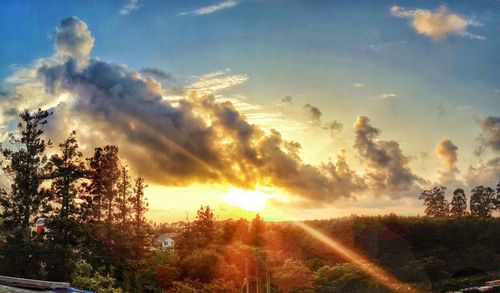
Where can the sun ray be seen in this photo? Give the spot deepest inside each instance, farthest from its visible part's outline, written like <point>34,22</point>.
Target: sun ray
<point>360,262</point>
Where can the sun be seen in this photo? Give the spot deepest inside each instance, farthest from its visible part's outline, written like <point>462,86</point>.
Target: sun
<point>249,200</point>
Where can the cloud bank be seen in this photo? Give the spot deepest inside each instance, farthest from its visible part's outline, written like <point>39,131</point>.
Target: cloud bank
<point>203,137</point>
<point>197,139</point>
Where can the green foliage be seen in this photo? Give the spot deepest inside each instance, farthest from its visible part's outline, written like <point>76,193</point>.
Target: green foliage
<point>67,169</point>
<point>345,278</point>
<point>293,276</point>
<point>86,278</point>
<point>26,165</point>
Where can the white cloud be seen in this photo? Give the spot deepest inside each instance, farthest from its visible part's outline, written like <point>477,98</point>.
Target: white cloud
<point>212,8</point>
<point>212,82</point>
<point>437,24</point>
<point>381,47</point>
<point>389,95</point>
<point>358,85</point>
<point>129,6</point>
<point>73,38</point>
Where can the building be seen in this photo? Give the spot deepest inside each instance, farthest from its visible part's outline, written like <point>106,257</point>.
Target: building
<point>166,240</point>
<point>40,226</point>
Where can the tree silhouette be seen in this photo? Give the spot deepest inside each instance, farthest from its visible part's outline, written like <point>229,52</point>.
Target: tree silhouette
<point>458,203</point>
<point>203,227</point>
<point>497,198</point>
<point>99,199</point>
<point>435,202</point>
<point>257,229</point>
<point>482,201</point>
<point>103,175</point>
<point>123,198</point>
<point>67,169</point>
<point>27,167</point>
<point>140,225</point>
<point>27,200</point>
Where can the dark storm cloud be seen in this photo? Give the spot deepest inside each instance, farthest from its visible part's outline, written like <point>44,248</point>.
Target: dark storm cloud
<point>314,113</point>
<point>387,166</point>
<point>490,135</point>
<point>197,140</point>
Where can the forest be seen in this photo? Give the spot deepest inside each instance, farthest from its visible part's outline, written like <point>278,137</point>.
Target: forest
<point>97,236</point>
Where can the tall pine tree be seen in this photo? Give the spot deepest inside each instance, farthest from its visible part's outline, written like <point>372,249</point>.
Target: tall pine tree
<point>26,201</point>
<point>140,225</point>
<point>123,198</point>
<point>67,171</point>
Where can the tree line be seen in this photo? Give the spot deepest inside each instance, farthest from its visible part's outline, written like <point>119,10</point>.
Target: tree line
<point>484,201</point>
<point>92,209</point>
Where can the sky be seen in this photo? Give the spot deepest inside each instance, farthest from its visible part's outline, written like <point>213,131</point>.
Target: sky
<point>294,109</point>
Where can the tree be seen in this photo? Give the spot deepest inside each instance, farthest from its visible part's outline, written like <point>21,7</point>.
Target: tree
<point>482,201</point>
<point>140,225</point>
<point>257,230</point>
<point>345,278</point>
<point>123,199</point>
<point>100,192</point>
<point>293,276</point>
<point>66,169</point>
<point>87,279</point>
<point>203,227</point>
<point>99,200</point>
<point>435,202</point>
<point>458,203</point>
<point>497,199</point>
<point>26,166</point>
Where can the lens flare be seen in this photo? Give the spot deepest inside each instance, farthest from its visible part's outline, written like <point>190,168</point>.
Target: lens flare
<point>360,262</point>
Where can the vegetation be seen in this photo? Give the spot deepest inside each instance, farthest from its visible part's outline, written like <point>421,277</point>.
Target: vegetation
<point>97,236</point>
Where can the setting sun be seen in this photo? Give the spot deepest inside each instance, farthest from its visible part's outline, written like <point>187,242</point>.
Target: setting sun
<point>250,200</point>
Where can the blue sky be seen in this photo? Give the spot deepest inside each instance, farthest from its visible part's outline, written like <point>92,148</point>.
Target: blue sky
<point>419,82</point>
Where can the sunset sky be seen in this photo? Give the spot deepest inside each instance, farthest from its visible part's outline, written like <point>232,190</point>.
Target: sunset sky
<point>295,109</point>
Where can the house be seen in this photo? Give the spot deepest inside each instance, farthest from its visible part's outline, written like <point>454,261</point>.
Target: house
<point>166,240</point>
<point>39,227</point>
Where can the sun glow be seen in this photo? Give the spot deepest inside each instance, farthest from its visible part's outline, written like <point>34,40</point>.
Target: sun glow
<point>250,200</point>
